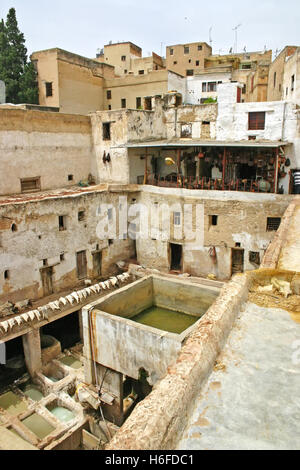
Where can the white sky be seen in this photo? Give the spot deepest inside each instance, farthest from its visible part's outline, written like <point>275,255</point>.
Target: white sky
<point>84,26</point>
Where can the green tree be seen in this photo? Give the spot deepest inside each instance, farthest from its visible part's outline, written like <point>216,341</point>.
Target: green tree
<point>18,74</point>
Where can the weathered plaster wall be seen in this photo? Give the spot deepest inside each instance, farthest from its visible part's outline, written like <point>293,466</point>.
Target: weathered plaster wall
<point>237,223</point>
<point>292,68</point>
<point>43,144</point>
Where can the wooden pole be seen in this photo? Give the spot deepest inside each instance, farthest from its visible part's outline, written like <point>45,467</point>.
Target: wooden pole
<point>224,167</point>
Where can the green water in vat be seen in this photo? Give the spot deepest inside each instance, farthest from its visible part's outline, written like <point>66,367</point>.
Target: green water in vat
<point>71,361</point>
<point>32,392</point>
<point>12,403</point>
<point>38,425</point>
<point>164,319</point>
<point>63,414</point>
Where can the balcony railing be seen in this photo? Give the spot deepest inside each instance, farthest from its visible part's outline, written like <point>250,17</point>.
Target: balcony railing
<point>189,182</point>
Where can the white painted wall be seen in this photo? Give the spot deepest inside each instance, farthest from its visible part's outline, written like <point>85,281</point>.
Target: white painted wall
<point>194,86</point>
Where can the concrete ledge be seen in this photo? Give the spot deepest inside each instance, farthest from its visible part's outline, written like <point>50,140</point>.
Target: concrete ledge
<point>159,420</point>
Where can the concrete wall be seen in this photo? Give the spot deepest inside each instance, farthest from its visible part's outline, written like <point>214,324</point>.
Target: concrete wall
<point>48,145</point>
<point>38,238</point>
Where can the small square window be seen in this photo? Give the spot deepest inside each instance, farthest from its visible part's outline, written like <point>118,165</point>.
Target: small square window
<point>197,63</point>
<point>175,62</point>
<point>138,102</point>
<point>70,177</point>
<point>6,274</point>
<point>273,224</point>
<point>199,47</point>
<point>190,73</point>
<point>254,257</point>
<point>141,72</point>
<point>123,58</point>
<point>108,94</point>
<point>186,49</point>
<point>110,242</point>
<point>203,87</point>
<point>123,103</point>
<point>30,184</point>
<point>62,257</point>
<point>171,51</point>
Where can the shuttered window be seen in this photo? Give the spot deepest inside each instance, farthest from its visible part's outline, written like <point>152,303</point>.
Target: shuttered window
<point>257,121</point>
<point>30,184</point>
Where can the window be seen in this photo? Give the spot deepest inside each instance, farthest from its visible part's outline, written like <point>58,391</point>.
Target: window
<point>62,257</point>
<point>110,242</point>
<point>252,137</point>
<point>125,71</point>
<point>109,107</point>
<point>292,82</point>
<point>246,66</point>
<point>106,130</point>
<point>190,60</point>
<point>203,87</point>
<point>175,62</point>
<point>176,218</point>
<point>199,47</point>
<point>138,102</point>
<point>123,103</point>
<point>254,257</point>
<point>171,51</point>
<point>256,121</point>
<point>70,177</point>
<point>212,86</point>
<point>6,274</point>
<point>123,58</point>
<point>49,89</point>
<point>108,94</point>
<point>274,80</point>
<point>186,49</point>
<point>81,216</point>
<point>273,224</point>
<point>141,72</point>
<point>45,262</point>
<point>30,184</point>
<point>14,228</point>
<point>213,220</point>
<point>197,63</point>
<point>62,222</point>
<point>190,73</point>
<point>244,89</point>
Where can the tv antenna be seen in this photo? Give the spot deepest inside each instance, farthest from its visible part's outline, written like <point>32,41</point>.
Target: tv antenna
<point>210,37</point>
<point>235,35</point>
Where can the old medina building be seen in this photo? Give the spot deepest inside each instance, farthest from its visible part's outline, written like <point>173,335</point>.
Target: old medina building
<point>93,211</point>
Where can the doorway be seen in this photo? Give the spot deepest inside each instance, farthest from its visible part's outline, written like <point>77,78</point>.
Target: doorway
<point>47,280</point>
<point>97,263</point>
<point>237,261</point>
<point>176,256</point>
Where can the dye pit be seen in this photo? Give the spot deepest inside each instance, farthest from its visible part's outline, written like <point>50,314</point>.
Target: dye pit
<point>165,319</point>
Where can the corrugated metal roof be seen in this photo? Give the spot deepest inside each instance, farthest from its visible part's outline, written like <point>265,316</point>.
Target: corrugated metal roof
<point>205,143</point>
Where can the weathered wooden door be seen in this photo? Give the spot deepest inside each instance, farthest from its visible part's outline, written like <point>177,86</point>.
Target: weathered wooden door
<point>237,261</point>
<point>81,264</point>
<point>47,280</point>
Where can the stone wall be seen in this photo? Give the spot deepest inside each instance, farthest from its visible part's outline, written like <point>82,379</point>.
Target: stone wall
<point>51,146</point>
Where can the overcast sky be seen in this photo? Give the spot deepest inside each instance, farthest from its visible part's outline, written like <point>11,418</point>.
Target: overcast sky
<point>84,26</point>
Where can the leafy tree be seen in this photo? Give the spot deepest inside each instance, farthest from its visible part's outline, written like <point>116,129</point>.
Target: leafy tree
<point>18,74</point>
